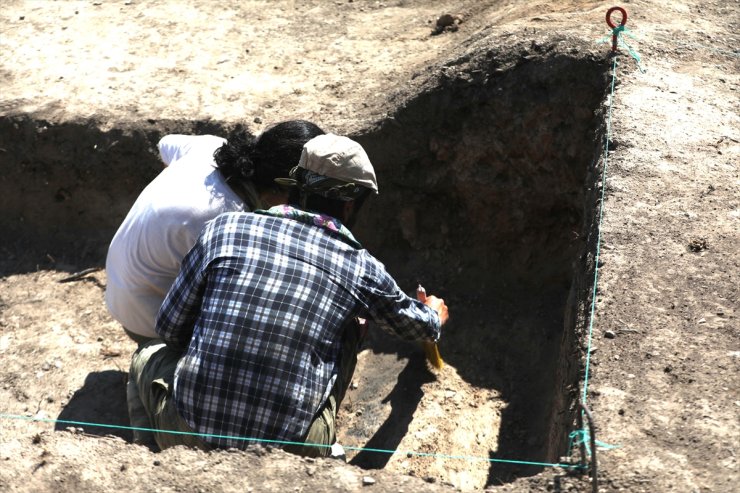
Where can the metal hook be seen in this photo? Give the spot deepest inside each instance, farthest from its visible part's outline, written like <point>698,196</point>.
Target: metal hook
<point>616,29</point>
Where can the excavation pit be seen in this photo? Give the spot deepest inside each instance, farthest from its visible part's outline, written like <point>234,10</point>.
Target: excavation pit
<point>487,199</point>
<point>487,179</point>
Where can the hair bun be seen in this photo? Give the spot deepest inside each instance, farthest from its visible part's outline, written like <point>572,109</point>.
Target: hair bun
<point>244,165</point>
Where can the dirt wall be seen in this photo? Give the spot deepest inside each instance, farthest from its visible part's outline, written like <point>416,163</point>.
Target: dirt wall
<point>487,178</point>
<point>494,189</point>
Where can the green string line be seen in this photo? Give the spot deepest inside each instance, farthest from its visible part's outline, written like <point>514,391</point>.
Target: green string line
<point>285,442</point>
<point>619,32</point>
<point>577,436</point>
<point>598,234</point>
<point>583,436</point>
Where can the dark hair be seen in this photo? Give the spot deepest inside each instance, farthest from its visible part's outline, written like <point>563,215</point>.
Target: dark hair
<point>271,155</point>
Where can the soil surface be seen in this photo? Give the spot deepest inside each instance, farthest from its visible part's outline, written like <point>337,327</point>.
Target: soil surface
<point>645,202</point>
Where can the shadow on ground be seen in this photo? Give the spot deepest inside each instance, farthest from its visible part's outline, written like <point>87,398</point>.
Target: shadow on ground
<point>409,364</point>
<point>99,407</point>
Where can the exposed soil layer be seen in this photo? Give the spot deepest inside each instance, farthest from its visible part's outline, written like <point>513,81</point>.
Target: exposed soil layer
<point>489,185</point>
<point>489,136</point>
<point>68,185</point>
<point>480,179</point>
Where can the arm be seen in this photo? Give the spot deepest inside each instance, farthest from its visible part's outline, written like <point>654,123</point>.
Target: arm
<point>176,146</point>
<point>173,147</point>
<point>399,314</point>
<point>181,306</point>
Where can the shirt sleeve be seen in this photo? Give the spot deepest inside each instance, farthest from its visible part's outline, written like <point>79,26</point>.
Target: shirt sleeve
<point>173,147</point>
<point>396,312</point>
<point>180,308</point>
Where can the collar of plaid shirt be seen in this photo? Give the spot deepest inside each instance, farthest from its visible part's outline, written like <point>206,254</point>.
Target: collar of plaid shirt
<point>321,220</point>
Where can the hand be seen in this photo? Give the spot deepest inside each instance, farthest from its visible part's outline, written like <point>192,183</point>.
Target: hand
<point>438,305</point>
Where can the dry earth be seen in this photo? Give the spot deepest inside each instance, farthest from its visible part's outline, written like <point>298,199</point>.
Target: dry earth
<point>88,87</point>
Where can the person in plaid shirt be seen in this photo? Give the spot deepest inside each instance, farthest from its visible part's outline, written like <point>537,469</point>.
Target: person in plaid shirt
<point>259,332</point>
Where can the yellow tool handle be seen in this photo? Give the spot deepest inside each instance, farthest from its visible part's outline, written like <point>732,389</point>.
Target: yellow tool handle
<point>433,356</point>
<point>431,350</point>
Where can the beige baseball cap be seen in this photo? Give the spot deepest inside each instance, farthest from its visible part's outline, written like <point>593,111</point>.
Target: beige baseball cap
<point>340,158</point>
<point>333,166</point>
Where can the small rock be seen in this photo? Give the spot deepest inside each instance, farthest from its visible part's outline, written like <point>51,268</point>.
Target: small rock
<point>337,452</point>
<point>609,334</point>
<point>698,244</point>
<point>157,463</point>
<point>445,20</point>
<point>702,321</point>
<point>257,120</point>
<point>367,481</point>
<point>447,23</point>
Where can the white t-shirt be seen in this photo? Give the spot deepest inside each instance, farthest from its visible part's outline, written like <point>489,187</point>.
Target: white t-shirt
<point>162,226</point>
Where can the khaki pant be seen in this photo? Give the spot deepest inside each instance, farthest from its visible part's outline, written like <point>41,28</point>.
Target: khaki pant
<point>150,402</point>
<point>153,412</point>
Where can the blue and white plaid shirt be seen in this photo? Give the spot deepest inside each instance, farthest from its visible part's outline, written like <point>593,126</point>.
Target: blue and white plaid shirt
<point>258,310</point>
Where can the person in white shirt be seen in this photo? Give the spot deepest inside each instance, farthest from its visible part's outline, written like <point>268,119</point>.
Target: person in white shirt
<point>204,176</point>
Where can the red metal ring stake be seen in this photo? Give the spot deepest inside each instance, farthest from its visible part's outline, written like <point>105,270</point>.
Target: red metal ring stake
<point>616,29</point>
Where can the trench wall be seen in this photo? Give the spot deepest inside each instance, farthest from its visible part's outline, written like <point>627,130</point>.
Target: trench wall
<point>487,178</point>
<point>65,187</point>
<point>488,184</point>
